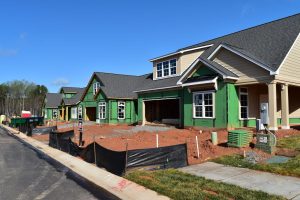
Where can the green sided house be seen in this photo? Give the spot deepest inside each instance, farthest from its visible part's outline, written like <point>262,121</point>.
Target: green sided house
<point>110,99</point>
<point>51,106</point>
<point>222,82</point>
<point>71,97</point>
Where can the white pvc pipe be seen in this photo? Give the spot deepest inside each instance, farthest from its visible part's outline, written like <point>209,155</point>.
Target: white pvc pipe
<point>156,140</point>
<point>198,152</point>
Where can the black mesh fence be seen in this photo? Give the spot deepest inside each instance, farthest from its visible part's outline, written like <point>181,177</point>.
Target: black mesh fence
<point>118,162</point>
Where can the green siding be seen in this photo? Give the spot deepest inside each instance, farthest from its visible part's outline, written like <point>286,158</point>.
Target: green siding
<point>233,106</point>
<point>111,107</point>
<point>156,96</point>
<point>220,120</point>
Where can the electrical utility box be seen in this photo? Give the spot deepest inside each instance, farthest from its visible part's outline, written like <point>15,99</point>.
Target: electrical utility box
<point>264,113</point>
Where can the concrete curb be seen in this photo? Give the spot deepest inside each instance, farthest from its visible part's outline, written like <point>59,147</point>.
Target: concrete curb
<point>115,185</point>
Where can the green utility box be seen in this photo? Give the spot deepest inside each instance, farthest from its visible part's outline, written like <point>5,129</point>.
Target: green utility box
<point>239,138</point>
<point>266,142</point>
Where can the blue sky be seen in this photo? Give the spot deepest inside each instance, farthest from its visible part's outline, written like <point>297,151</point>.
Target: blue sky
<point>61,42</point>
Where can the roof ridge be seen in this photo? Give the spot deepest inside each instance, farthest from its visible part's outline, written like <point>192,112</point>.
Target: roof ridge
<point>118,74</point>
<point>256,26</point>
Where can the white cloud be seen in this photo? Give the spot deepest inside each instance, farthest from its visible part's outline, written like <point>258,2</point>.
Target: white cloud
<point>61,82</point>
<point>8,52</point>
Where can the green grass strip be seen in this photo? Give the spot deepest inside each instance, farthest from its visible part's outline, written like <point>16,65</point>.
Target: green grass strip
<point>181,186</point>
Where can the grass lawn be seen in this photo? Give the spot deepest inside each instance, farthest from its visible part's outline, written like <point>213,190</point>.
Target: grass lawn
<point>290,168</point>
<point>181,186</point>
<point>292,142</point>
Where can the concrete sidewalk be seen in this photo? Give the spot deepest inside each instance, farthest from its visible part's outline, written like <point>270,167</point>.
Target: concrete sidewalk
<point>115,185</point>
<point>286,186</point>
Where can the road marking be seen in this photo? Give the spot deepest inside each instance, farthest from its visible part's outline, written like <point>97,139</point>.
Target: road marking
<point>51,188</point>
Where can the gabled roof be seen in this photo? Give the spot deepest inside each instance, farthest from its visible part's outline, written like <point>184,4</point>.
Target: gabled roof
<point>75,99</point>
<point>53,100</point>
<point>118,86</point>
<point>269,43</point>
<point>71,89</point>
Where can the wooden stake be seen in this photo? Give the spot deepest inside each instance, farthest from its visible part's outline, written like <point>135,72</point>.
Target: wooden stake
<point>156,140</point>
<point>198,153</point>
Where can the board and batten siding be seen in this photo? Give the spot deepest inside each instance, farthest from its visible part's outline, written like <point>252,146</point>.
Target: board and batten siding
<point>290,68</point>
<point>246,70</point>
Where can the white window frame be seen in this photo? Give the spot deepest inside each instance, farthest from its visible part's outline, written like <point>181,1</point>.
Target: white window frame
<point>74,112</point>
<point>96,87</point>
<point>169,68</point>
<point>240,106</point>
<point>102,115</point>
<point>54,110</point>
<point>203,105</point>
<point>122,104</point>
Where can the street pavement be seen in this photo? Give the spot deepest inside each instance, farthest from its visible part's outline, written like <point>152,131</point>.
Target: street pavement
<point>286,186</point>
<point>27,175</point>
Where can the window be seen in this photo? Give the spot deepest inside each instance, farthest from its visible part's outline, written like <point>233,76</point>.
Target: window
<point>102,110</point>
<point>159,69</point>
<point>121,110</point>
<point>55,114</point>
<point>166,68</point>
<point>96,87</point>
<point>80,112</point>
<point>244,107</point>
<point>204,105</point>
<point>74,113</point>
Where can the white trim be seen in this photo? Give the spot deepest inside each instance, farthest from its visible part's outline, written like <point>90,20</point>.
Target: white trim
<point>180,52</point>
<point>241,55</point>
<point>286,56</point>
<point>103,105</point>
<point>179,82</point>
<point>240,112</point>
<point>162,88</point>
<point>203,106</point>
<point>214,80</point>
<point>124,109</point>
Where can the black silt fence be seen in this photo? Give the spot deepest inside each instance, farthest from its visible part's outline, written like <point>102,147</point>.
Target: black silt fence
<point>118,162</point>
<point>63,142</point>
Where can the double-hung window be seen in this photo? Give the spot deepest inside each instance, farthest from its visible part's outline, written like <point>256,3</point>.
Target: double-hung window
<point>244,104</point>
<point>102,110</point>
<point>166,68</point>
<point>159,70</point>
<point>121,110</point>
<point>203,105</point>
<point>96,87</point>
<point>74,112</point>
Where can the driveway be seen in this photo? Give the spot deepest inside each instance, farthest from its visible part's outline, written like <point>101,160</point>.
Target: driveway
<point>286,186</point>
<point>25,174</point>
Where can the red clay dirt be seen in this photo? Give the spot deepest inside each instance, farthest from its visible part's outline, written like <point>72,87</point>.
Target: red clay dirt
<point>109,136</point>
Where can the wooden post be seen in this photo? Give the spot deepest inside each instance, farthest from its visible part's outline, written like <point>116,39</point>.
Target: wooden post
<point>95,154</point>
<point>198,153</point>
<point>126,157</point>
<point>156,140</point>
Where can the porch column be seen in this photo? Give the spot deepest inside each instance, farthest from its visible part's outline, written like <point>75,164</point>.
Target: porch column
<point>285,107</point>
<point>67,113</point>
<point>63,114</point>
<point>272,106</point>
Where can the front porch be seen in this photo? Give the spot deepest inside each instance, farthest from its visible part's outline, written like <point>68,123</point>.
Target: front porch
<point>283,104</point>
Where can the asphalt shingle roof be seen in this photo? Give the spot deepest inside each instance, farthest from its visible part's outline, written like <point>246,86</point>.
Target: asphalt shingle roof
<point>71,89</point>
<point>268,43</point>
<point>119,85</point>
<point>76,98</point>
<point>53,100</point>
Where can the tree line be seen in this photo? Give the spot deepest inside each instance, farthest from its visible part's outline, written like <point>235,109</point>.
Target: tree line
<point>19,95</point>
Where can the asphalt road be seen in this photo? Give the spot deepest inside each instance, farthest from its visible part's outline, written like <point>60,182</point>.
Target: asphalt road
<point>26,174</point>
